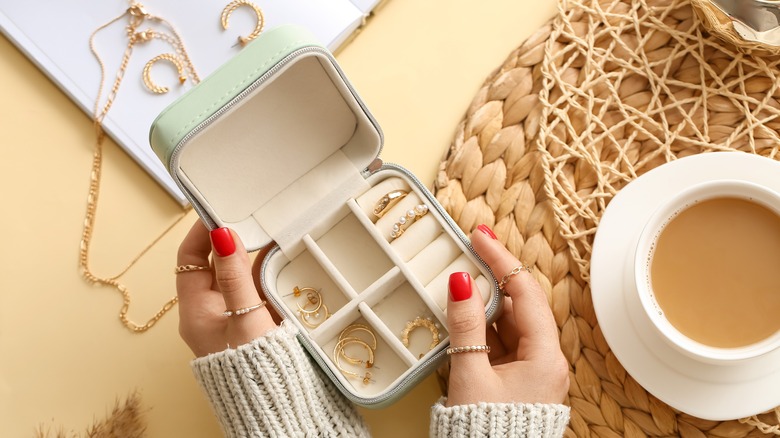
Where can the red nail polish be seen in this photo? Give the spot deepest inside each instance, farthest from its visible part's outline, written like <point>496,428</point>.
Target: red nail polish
<point>485,229</point>
<point>460,286</point>
<point>223,242</point>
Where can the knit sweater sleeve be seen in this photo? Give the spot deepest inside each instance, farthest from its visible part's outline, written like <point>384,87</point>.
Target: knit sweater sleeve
<point>270,387</point>
<point>499,420</point>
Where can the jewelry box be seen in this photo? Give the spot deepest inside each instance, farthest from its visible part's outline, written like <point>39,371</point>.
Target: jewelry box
<point>278,146</point>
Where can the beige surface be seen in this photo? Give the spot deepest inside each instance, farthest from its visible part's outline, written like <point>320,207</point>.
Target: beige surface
<point>65,356</point>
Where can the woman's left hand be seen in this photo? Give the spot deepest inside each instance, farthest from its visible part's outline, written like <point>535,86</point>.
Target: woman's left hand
<point>206,294</point>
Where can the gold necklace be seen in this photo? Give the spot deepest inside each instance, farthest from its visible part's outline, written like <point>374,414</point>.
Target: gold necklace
<point>137,16</point>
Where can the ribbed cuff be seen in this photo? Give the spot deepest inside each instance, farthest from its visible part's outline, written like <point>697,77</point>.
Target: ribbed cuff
<point>499,420</point>
<point>269,387</point>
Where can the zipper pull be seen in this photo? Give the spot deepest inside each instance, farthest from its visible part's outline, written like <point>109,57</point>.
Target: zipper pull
<point>373,167</point>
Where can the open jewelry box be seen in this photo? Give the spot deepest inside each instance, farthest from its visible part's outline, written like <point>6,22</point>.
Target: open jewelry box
<point>278,146</point>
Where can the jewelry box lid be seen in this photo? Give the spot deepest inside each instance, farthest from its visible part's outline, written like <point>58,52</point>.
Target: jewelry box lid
<point>270,140</point>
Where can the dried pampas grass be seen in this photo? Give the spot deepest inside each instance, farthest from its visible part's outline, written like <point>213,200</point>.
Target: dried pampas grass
<point>124,421</point>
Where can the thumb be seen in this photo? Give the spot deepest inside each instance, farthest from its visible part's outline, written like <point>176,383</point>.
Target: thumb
<point>466,324</point>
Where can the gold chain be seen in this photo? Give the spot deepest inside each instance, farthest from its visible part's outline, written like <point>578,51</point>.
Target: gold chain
<point>136,15</point>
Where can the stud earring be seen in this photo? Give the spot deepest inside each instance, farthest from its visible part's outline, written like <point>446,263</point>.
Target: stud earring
<point>154,88</point>
<point>232,6</point>
<point>421,322</point>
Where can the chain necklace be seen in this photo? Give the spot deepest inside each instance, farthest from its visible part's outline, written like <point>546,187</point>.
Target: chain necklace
<point>136,16</point>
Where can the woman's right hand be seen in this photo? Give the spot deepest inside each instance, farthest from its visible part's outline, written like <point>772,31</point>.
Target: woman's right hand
<point>525,364</point>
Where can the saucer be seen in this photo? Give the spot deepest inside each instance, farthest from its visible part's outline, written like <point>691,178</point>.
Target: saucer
<point>708,391</point>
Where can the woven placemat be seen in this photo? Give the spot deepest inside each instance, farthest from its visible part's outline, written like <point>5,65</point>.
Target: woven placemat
<point>603,93</point>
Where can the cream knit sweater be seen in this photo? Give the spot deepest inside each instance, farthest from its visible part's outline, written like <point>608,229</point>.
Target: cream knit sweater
<point>270,387</point>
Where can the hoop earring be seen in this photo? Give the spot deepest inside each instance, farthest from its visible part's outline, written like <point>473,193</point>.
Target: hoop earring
<point>154,88</point>
<point>338,351</point>
<point>314,298</point>
<point>232,6</point>
<point>358,327</point>
<point>345,335</point>
<point>421,322</point>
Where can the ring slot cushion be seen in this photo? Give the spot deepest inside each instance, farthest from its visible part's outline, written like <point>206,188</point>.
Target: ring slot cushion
<point>277,145</point>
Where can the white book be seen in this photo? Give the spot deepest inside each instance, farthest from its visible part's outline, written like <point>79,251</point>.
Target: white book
<point>55,35</point>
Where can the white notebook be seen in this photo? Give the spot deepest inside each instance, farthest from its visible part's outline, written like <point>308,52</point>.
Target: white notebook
<point>55,35</point>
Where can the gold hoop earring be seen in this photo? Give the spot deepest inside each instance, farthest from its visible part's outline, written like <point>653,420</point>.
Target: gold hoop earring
<point>358,327</point>
<point>305,318</point>
<point>348,333</point>
<point>314,298</point>
<point>368,363</point>
<point>338,351</point>
<point>232,6</point>
<point>421,322</point>
<point>154,88</point>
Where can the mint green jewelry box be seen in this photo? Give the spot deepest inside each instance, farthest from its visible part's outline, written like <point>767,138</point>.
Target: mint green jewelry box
<point>278,146</point>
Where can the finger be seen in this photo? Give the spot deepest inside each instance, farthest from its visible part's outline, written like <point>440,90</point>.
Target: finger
<point>533,317</point>
<point>466,324</point>
<point>233,273</point>
<point>194,250</point>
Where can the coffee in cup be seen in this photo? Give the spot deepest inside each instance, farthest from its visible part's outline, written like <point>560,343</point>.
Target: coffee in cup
<point>708,270</point>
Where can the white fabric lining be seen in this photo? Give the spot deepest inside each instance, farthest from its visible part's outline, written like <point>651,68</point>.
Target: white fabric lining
<point>335,275</point>
<point>382,330</point>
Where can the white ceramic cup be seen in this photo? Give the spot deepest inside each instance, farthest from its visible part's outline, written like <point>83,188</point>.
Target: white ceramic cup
<point>643,260</point>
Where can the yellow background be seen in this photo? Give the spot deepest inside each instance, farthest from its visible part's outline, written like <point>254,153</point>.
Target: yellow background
<point>64,356</point>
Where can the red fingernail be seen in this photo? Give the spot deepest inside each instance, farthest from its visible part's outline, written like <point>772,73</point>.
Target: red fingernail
<point>460,286</point>
<point>223,242</point>
<point>485,229</point>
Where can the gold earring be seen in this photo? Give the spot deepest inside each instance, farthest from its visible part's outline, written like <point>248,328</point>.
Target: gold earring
<point>314,298</point>
<point>348,333</point>
<point>358,327</point>
<point>421,322</point>
<point>338,351</point>
<point>154,88</point>
<point>368,363</point>
<point>232,6</point>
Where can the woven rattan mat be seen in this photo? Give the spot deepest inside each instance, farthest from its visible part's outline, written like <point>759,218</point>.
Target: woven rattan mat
<point>603,93</point>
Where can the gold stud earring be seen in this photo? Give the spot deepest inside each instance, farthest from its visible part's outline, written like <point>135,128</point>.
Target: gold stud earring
<point>232,6</point>
<point>154,88</point>
<point>421,322</point>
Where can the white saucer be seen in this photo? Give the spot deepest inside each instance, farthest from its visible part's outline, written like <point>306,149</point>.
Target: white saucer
<point>712,392</point>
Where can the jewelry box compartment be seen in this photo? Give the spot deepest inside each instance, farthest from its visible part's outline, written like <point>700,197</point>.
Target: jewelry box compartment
<point>369,292</point>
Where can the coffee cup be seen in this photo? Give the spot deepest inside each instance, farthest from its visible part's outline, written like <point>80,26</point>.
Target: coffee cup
<point>705,268</point>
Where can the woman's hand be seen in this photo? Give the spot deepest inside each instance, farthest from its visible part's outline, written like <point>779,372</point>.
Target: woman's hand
<point>525,363</point>
<point>205,295</point>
